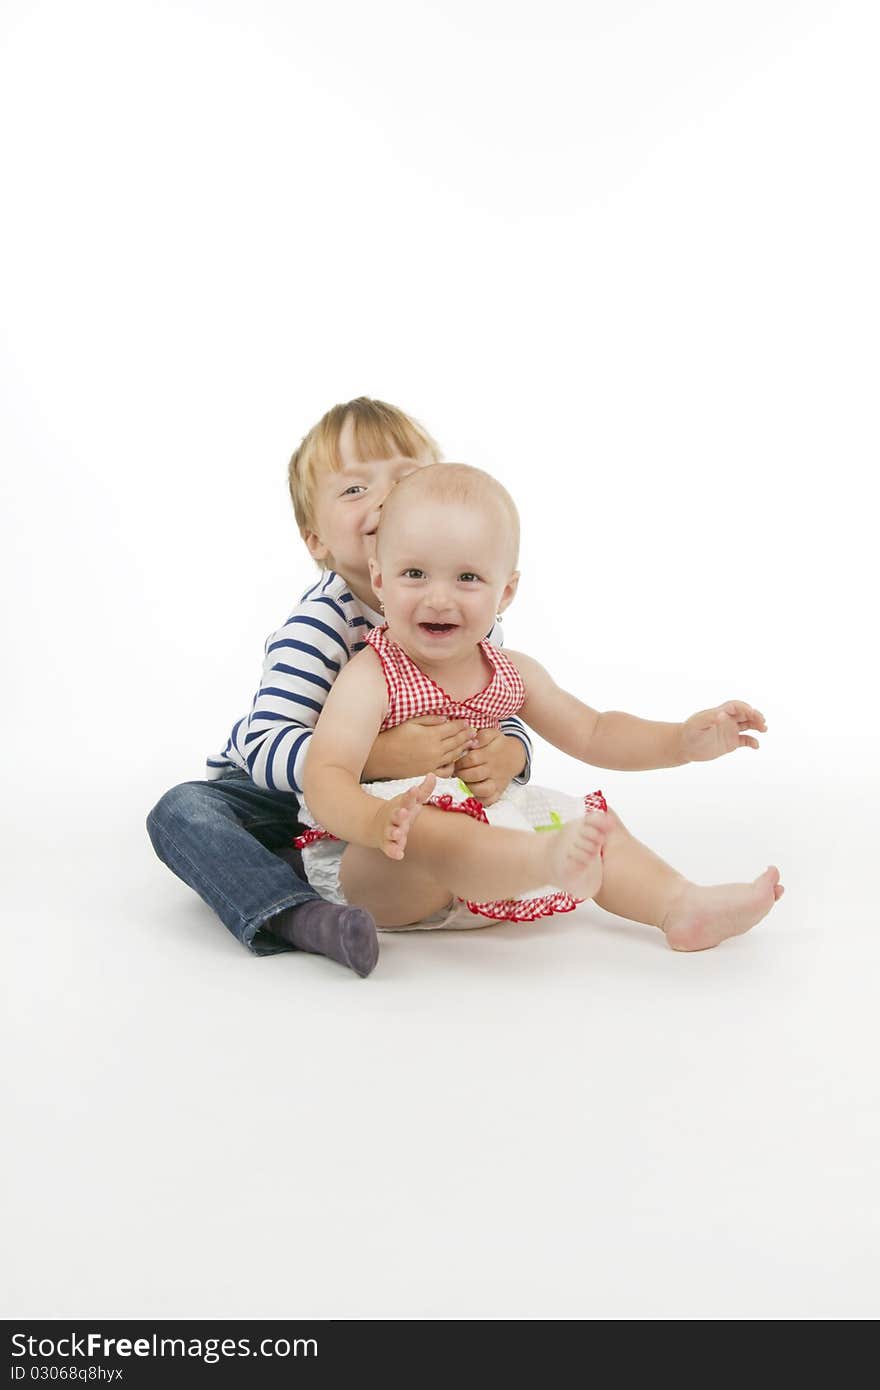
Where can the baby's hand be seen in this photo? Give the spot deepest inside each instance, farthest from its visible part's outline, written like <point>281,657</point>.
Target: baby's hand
<point>714,732</point>
<point>394,818</point>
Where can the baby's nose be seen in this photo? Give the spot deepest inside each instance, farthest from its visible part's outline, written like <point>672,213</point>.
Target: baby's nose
<point>438,598</point>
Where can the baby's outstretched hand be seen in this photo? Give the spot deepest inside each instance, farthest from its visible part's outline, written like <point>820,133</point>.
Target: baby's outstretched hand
<point>394,818</point>
<point>714,732</point>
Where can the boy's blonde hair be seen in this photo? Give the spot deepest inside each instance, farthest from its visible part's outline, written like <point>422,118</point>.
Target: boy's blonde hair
<point>380,431</point>
<point>452,482</point>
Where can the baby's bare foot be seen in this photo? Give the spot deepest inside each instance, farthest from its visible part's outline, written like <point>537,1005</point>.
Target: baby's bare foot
<point>575,855</point>
<point>702,917</point>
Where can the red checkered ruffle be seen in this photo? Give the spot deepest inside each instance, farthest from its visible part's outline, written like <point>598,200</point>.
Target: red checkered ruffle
<point>471,807</point>
<point>311,837</point>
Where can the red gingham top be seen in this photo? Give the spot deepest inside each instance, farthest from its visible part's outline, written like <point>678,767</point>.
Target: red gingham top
<point>411,692</point>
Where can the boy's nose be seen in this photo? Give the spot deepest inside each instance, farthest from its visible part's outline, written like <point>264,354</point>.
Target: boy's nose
<point>385,493</point>
<point>376,513</point>
<point>373,517</point>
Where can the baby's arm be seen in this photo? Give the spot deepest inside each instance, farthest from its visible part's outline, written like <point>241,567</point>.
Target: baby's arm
<point>339,747</point>
<point>623,741</point>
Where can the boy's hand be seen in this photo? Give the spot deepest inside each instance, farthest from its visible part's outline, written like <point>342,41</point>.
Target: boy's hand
<point>714,732</point>
<point>394,818</point>
<point>430,743</point>
<point>490,766</point>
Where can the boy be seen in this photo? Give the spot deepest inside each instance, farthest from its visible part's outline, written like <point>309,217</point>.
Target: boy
<point>230,837</point>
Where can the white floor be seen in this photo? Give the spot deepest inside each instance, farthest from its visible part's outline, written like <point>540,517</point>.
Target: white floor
<point>566,1120</point>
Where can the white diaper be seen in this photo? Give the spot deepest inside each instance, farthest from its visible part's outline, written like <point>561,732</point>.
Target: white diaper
<point>519,808</point>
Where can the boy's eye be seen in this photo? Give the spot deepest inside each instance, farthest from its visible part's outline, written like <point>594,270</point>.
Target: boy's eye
<point>413,573</point>
<point>468,577</point>
<point>355,487</point>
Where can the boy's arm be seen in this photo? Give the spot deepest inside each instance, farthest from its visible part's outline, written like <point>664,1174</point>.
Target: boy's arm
<point>427,743</point>
<point>338,752</point>
<point>497,759</point>
<point>503,762</point>
<point>517,750</point>
<point>624,742</point>
<point>302,660</point>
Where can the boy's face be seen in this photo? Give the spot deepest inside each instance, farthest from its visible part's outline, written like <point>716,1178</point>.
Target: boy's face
<point>443,572</point>
<point>348,505</point>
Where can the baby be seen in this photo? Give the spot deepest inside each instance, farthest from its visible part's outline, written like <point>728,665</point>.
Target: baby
<point>445,564</point>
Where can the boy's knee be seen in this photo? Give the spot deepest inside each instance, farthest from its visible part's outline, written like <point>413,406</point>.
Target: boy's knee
<point>187,802</point>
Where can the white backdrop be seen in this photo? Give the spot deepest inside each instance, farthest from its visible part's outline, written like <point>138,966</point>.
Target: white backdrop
<point>622,254</point>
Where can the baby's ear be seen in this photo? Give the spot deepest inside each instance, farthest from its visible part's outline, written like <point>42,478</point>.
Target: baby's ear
<point>508,592</point>
<point>375,574</point>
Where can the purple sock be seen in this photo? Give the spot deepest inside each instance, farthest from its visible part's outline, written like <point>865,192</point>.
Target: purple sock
<point>345,934</point>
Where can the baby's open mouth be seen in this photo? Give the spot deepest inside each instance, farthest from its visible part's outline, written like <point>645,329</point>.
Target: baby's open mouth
<point>438,627</point>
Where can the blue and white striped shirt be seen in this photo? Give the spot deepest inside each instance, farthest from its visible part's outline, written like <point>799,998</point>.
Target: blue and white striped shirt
<point>303,659</point>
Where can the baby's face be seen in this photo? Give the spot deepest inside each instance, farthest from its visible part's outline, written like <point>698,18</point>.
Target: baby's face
<point>443,571</point>
<point>348,504</point>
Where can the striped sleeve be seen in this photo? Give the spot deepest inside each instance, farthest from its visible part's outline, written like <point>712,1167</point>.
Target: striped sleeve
<point>303,659</point>
<point>513,727</point>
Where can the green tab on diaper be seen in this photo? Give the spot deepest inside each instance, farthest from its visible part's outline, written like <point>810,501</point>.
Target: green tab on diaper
<point>556,822</point>
<point>463,786</point>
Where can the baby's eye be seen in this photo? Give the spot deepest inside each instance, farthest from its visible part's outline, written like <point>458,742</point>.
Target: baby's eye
<point>469,577</point>
<point>413,573</point>
<point>355,487</point>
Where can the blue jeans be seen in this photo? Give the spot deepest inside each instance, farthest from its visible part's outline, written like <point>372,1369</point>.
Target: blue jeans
<point>223,838</point>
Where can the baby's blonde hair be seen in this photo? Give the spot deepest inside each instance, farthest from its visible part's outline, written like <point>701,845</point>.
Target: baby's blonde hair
<point>380,431</point>
<point>451,482</point>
